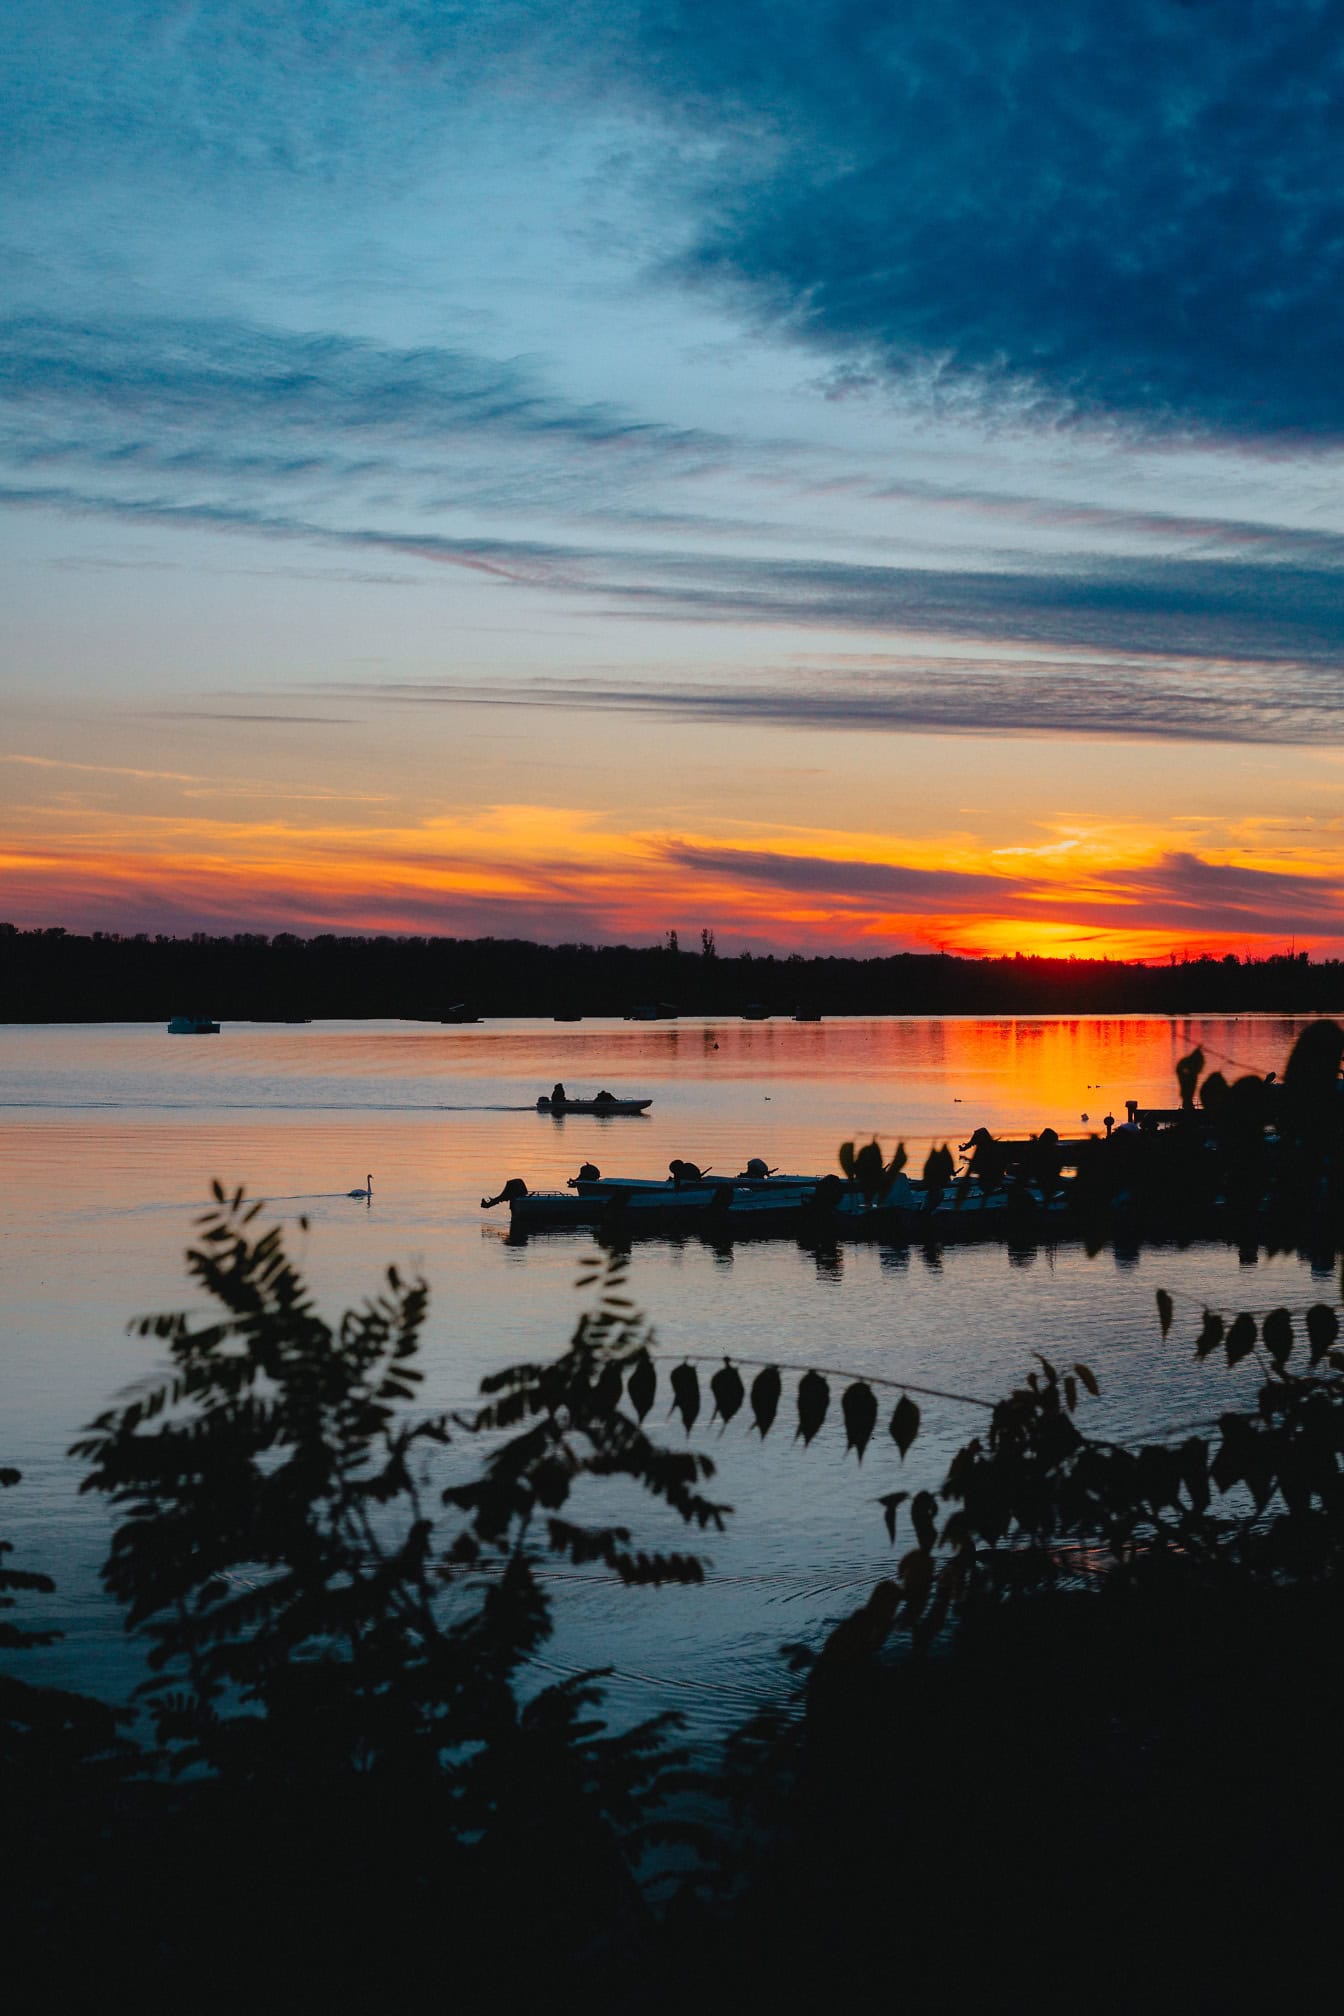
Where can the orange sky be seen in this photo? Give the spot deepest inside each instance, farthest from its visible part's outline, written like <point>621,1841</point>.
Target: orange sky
<point>653,827</point>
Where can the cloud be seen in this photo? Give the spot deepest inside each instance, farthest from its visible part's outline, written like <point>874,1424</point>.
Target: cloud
<point>215,393</point>
<point>1112,215</point>
<point>1128,697</point>
<point>911,890</point>
<point>1178,891</point>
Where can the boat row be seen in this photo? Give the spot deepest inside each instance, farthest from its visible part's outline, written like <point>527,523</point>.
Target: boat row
<point>759,1202</point>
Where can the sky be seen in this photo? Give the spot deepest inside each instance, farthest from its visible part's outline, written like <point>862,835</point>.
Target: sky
<point>848,477</point>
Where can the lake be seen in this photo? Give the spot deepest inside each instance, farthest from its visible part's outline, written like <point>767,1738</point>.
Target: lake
<point>110,1135</point>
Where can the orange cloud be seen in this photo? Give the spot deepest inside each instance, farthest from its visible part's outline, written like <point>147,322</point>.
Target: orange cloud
<point>1103,890</point>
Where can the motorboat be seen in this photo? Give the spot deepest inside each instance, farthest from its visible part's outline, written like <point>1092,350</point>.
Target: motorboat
<point>604,1105</point>
<point>192,1025</point>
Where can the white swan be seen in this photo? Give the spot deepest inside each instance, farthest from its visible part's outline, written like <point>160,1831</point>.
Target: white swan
<point>362,1193</point>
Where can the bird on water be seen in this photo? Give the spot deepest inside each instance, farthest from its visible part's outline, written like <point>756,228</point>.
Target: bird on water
<point>362,1193</point>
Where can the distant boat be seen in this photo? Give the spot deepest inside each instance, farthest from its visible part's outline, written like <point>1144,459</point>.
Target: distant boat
<point>755,1011</point>
<point>192,1025</point>
<point>806,1015</point>
<point>566,1018</point>
<point>605,1106</point>
<point>652,1011</point>
<point>459,1012</point>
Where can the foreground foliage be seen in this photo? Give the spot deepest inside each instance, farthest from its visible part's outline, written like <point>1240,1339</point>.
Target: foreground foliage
<point>342,1597</point>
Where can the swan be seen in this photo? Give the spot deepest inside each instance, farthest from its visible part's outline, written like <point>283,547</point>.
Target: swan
<point>362,1193</point>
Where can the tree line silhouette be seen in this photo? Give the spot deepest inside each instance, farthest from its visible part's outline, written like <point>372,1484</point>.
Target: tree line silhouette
<point>54,975</point>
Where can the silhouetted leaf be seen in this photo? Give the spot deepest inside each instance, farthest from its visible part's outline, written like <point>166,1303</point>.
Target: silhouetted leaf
<point>858,1404</point>
<point>891,1504</point>
<point>728,1391</point>
<point>1322,1329</point>
<point>924,1513</point>
<point>1164,1310</point>
<point>1089,1379</point>
<point>847,1158</point>
<point>868,1170</point>
<point>607,1390</point>
<point>814,1397</point>
<point>1277,1332</point>
<point>642,1385</point>
<point>685,1393</point>
<point>1195,1471</point>
<point>766,1388</point>
<point>904,1423</point>
<point>1240,1338</point>
<point>1070,1392</point>
<point>1211,1336</point>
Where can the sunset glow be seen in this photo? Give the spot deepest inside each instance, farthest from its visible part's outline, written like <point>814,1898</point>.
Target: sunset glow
<point>570,477</point>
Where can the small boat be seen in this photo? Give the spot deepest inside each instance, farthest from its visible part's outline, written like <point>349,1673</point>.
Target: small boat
<point>192,1025</point>
<point>755,1011</point>
<point>606,1106</point>
<point>806,1015</point>
<point>755,1178</point>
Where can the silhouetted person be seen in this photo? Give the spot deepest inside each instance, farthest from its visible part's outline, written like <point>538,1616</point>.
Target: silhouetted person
<point>989,1159</point>
<point>1046,1160</point>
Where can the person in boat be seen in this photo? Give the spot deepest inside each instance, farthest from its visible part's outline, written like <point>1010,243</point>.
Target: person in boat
<point>557,1095</point>
<point>515,1187</point>
<point>605,1098</point>
<point>684,1172</point>
<point>989,1160</point>
<point>1046,1161</point>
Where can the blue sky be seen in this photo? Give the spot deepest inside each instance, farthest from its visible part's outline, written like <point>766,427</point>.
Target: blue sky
<point>568,469</point>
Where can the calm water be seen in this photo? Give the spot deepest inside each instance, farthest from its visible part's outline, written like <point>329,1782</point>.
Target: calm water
<point>109,1137</point>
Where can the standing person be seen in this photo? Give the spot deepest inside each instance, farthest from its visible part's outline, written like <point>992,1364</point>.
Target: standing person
<point>557,1095</point>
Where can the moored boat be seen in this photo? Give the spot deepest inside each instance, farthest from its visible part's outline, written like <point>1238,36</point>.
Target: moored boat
<point>192,1025</point>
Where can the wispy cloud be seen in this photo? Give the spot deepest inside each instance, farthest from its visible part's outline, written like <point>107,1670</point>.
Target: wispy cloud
<point>1129,696</point>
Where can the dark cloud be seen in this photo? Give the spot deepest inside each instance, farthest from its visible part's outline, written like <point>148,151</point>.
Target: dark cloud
<point>1182,888</point>
<point>1103,212</point>
<point>874,882</point>
<point>1179,891</point>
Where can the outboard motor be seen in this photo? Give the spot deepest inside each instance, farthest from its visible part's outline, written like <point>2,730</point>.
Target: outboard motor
<point>684,1172</point>
<point>756,1167</point>
<point>590,1173</point>
<point>515,1187</point>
